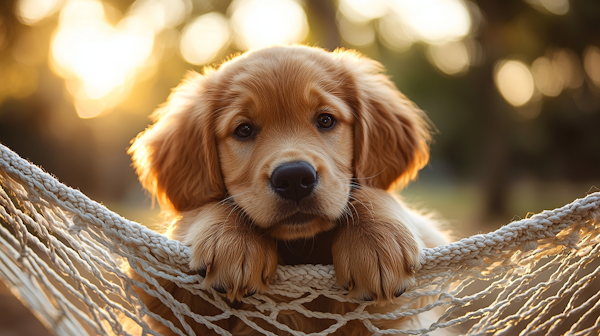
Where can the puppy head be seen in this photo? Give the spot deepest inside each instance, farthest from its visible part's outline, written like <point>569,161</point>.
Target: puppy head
<point>284,133</point>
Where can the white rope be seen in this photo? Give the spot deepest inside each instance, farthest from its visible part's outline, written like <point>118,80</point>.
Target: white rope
<point>62,254</point>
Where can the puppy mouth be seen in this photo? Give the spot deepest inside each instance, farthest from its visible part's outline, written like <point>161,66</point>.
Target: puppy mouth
<point>299,218</point>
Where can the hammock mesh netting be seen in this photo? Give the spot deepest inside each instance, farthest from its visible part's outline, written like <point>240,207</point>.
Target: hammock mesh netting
<point>63,255</point>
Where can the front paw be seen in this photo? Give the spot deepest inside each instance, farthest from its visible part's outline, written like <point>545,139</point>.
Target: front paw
<point>235,261</point>
<point>375,261</point>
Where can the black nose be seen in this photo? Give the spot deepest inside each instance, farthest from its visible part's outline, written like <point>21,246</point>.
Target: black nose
<point>294,180</point>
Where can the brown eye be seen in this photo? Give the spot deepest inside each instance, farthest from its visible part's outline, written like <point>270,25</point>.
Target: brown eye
<point>325,120</point>
<point>244,131</point>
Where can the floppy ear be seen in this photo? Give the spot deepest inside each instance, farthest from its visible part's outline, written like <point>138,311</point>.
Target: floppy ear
<point>176,158</point>
<point>391,135</point>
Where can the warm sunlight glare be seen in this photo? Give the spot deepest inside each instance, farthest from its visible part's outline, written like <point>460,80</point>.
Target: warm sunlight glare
<point>204,38</point>
<point>32,11</point>
<point>514,81</point>
<point>451,57</point>
<point>363,10</point>
<point>434,21</point>
<point>98,60</point>
<point>591,62</point>
<point>260,23</point>
<point>394,33</point>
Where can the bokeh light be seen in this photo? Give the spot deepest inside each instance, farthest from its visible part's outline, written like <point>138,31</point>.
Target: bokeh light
<point>434,21</point>
<point>101,56</point>
<point>394,34</point>
<point>591,62</point>
<point>568,65</point>
<point>100,61</point>
<point>451,58</point>
<point>558,70</point>
<point>204,38</point>
<point>558,7</point>
<point>514,81</point>
<point>546,78</point>
<point>356,33</point>
<point>402,22</point>
<point>260,23</point>
<point>30,12</point>
<point>363,10</point>
<point>161,14</point>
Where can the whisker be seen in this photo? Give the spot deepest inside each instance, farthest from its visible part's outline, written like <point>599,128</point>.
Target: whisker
<point>227,218</point>
<point>356,211</point>
<point>365,178</point>
<point>227,199</point>
<point>226,206</point>
<point>346,210</point>
<point>362,192</point>
<point>361,203</point>
<point>348,214</point>
<point>312,247</point>
<point>378,196</point>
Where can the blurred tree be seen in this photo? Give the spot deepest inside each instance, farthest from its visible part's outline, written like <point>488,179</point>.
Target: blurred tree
<point>321,18</point>
<point>515,28</point>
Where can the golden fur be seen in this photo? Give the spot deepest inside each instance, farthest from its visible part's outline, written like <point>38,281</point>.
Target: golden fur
<point>216,185</point>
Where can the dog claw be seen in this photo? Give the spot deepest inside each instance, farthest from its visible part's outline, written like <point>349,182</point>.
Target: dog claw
<point>367,298</point>
<point>220,289</point>
<point>350,286</point>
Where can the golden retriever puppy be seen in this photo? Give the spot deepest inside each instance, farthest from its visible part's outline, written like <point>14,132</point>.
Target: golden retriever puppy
<point>283,145</point>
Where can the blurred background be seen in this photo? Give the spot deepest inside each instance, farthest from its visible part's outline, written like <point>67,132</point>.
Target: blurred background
<point>512,86</point>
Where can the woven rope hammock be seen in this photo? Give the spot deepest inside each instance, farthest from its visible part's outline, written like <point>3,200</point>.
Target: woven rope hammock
<point>62,254</point>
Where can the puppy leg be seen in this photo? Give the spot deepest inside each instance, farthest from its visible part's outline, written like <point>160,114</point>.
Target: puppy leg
<point>228,251</point>
<point>375,249</point>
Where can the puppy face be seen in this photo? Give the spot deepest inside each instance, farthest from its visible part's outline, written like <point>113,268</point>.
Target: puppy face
<point>285,141</point>
<point>283,133</point>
